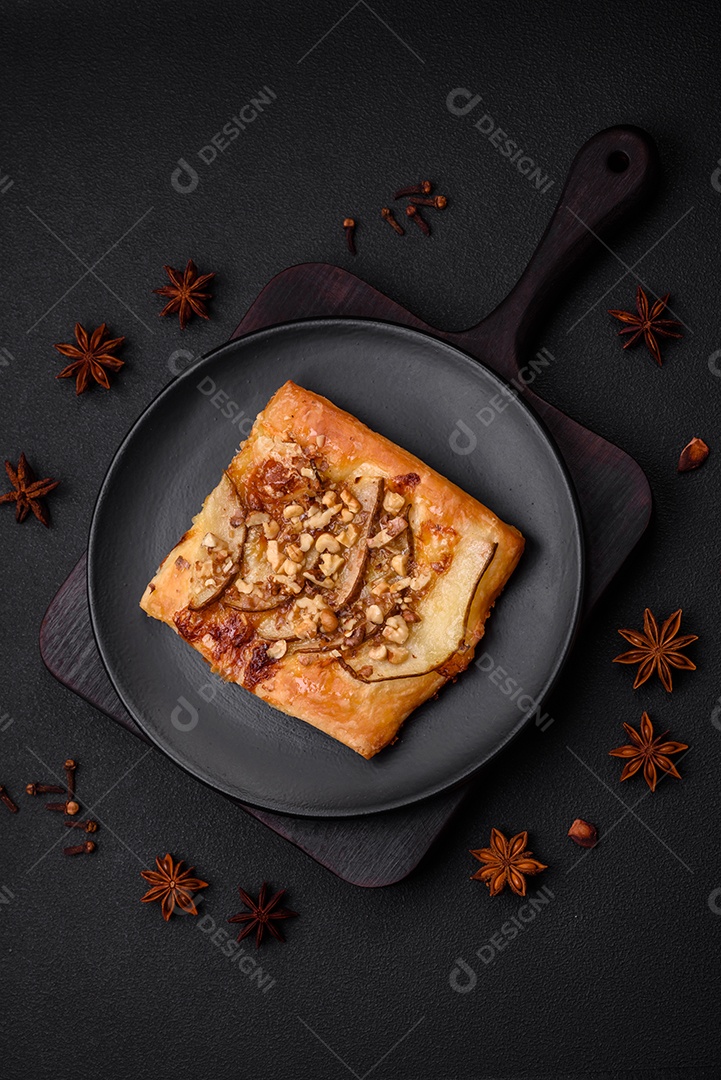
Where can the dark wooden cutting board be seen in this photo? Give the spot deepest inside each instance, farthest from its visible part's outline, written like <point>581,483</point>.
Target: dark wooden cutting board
<point>611,174</point>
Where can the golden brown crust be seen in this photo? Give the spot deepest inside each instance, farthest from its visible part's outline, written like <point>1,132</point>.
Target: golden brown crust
<point>244,605</point>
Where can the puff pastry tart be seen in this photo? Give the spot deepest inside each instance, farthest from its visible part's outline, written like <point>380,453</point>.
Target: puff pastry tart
<point>333,574</point>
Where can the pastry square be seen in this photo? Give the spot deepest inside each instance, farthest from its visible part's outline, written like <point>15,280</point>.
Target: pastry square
<point>333,574</point>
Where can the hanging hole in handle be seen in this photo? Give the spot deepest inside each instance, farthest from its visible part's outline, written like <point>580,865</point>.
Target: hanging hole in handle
<point>618,161</point>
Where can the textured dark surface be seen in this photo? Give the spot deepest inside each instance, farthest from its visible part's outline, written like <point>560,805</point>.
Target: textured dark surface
<point>619,971</point>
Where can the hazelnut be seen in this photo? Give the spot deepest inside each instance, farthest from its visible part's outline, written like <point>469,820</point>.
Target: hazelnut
<point>328,620</point>
<point>583,833</point>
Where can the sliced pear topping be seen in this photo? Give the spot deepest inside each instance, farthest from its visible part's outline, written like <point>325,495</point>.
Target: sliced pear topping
<point>220,551</point>
<point>435,639</point>
<point>366,492</point>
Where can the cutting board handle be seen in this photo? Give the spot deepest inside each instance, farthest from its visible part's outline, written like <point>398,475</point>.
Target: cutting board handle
<point>610,175</point>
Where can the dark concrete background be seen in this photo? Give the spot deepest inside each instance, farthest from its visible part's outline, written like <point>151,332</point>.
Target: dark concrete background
<point>99,102</point>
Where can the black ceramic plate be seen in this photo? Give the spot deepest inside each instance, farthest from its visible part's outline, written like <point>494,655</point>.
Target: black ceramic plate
<point>431,399</point>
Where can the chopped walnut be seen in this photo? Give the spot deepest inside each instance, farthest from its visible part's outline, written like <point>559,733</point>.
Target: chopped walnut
<point>321,519</point>
<point>294,510</point>
<point>399,564</point>
<point>330,564</point>
<point>393,502</point>
<point>348,536</point>
<point>396,629</point>
<point>325,584</point>
<point>350,501</point>
<point>420,580</point>
<point>384,536</point>
<point>273,554</point>
<point>327,542</point>
<point>396,526</point>
<point>277,650</point>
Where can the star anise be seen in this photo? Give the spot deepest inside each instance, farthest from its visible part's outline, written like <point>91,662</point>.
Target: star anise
<point>506,863</point>
<point>92,357</point>
<point>185,293</point>
<point>652,753</point>
<point>656,650</point>
<point>262,914</point>
<point>647,324</point>
<point>172,886</point>
<point>28,491</point>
